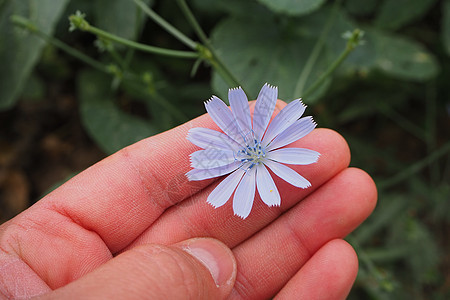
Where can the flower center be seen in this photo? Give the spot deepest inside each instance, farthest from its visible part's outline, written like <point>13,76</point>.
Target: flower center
<point>253,152</point>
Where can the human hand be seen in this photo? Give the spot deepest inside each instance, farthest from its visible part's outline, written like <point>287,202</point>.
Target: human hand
<point>128,227</point>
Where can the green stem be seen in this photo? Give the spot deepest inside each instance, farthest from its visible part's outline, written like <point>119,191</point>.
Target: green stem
<point>27,24</point>
<point>328,72</point>
<point>166,25</point>
<point>142,47</point>
<point>354,40</point>
<point>109,47</point>
<point>78,21</point>
<point>403,122</point>
<point>224,71</point>
<point>193,21</point>
<point>372,269</point>
<point>388,254</point>
<point>315,52</point>
<point>414,168</point>
<point>211,55</point>
<point>145,93</point>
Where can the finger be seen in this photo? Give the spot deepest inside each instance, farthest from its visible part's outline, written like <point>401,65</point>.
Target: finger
<point>131,187</point>
<point>329,274</point>
<point>282,248</point>
<point>103,209</point>
<point>124,193</point>
<point>194,217</point>
<point>193,269</point>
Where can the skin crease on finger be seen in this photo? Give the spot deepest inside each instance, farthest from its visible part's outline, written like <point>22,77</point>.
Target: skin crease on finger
<point>68,221</point>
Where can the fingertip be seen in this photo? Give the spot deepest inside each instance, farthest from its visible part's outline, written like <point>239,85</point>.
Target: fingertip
<point>342,262</point>
<point>332,143</point>
<point>364,183</point>
<point>347,256</point>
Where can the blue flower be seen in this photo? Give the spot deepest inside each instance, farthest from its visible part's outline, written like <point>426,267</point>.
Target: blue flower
<point>245,152</point>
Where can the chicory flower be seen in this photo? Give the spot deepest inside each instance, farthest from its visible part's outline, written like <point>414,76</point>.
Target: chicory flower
<point>245,149</point>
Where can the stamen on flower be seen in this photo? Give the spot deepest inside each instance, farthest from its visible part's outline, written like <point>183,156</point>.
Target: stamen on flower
<point>254,153</point>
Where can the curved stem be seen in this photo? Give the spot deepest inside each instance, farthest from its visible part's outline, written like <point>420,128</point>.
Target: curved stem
<point>353,41</point>
<point>191,19</point>
<point>316,51</point>
<point>166,25</point>
<point>27,24</point>
<point>369,264</point>
<point>327,73</point>
<point>212,56</point>
<point>77,21</point>
<point>142,47</point>
<point>444,150</point>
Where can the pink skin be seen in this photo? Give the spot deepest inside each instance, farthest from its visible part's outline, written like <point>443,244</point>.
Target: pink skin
<point>140,195</point>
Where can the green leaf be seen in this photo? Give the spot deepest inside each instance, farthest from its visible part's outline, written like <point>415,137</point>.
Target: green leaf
<point>403,58</point>
<point>110,127</point>
<point>122,18</point>
<point>20,49</point>
<point>293,7</point>
<point>394,14</point>
<point>446,25</point>
<point>34,89</point>
<point>259,51</point>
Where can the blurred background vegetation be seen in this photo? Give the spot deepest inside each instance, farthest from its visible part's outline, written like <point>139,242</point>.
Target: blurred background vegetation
<point>68,99</point>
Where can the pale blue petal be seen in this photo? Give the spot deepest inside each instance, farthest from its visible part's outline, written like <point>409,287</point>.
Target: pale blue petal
<point>287,174</point>
<point>239,107</point>
<point>222,116</point>
<point>266,187</point>
<point>201,174</point>
<point>220,195</point>
<point>294,156</point>
<point>245,194</point>
<point>211,158</point>
<point>296,131</point>
<point>285,118</point>
<point>265,105</point>
<point>207,138</point>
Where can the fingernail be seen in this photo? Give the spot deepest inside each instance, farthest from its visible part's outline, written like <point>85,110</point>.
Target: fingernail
<point>215,256</point>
